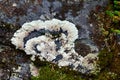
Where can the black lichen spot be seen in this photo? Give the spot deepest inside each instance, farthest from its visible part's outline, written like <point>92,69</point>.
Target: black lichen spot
<point>58,57</point>
<point>79,67</point>
<point>67,51</point>
<point>71,66</point>
<point>35,49</point>
<point>58,44</point>
<point>33,34</point>
<point>57,34</point>
<point>65,32</point>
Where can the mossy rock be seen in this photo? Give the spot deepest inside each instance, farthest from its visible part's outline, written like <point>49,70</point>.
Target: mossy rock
<point>51,72</point>
<point>105,58</point>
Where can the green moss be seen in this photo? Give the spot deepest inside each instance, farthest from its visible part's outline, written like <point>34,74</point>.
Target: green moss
<point>106,75</point>
<point>50,72</point>
<point>105,58</point>
<point>114,11</point>
<point>110,13</point>
<point>115,31</point>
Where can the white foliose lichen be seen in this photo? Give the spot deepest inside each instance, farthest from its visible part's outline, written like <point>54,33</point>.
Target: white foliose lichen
<point>53,41</point>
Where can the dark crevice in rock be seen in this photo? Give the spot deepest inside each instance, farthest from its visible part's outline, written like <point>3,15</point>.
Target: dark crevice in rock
<point>81,48</point>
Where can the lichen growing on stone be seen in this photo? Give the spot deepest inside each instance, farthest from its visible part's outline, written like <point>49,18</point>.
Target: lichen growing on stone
<point>52,41</point>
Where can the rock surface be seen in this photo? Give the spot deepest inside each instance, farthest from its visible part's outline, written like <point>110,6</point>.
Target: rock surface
<point>13,13</point>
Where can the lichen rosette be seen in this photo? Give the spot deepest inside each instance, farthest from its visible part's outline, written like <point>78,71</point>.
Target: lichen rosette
<point>51,40</point>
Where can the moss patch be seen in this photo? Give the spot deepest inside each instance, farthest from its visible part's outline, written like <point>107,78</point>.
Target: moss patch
<point>52,72</point>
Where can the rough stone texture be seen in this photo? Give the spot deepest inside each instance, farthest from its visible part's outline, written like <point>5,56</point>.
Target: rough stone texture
<point>6,32</point>
<point>17,12</point>
<point>10,60</point>
<point>76,11</point>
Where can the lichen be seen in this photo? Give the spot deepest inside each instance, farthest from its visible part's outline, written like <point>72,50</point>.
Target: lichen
<point>53,41</point>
